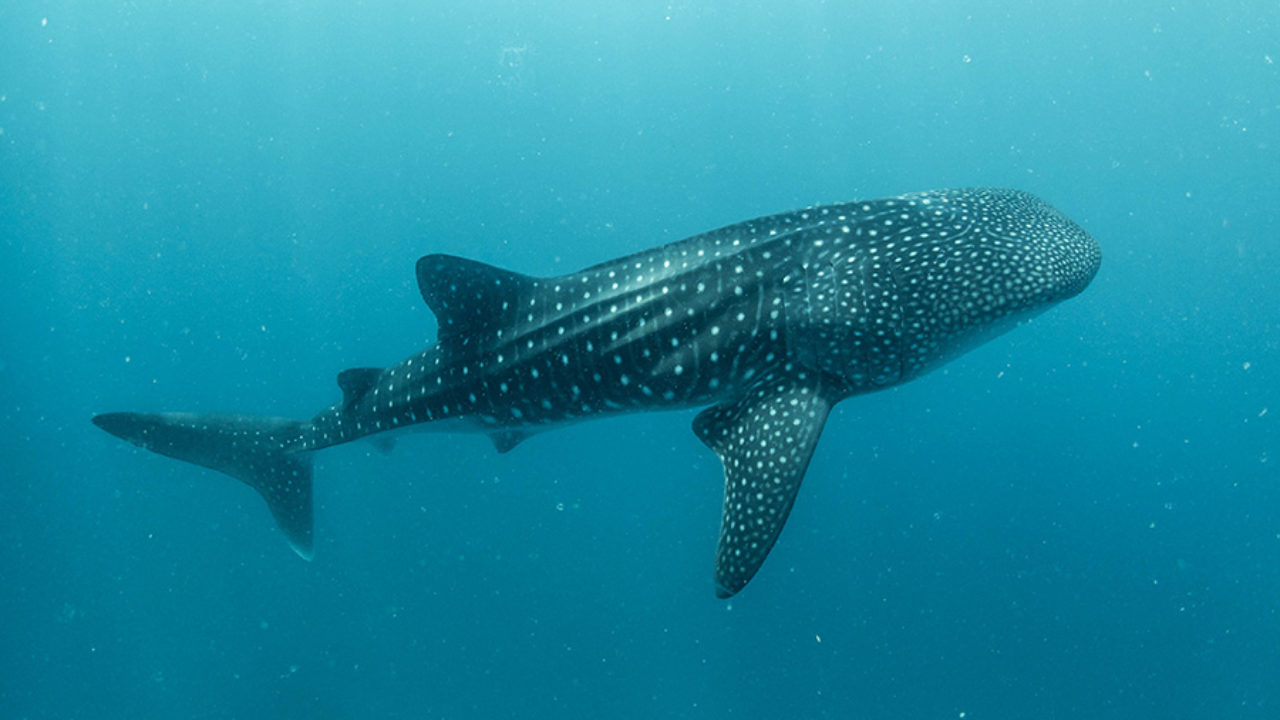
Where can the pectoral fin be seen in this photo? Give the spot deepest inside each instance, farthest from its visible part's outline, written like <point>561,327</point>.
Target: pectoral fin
<point>765,440</point>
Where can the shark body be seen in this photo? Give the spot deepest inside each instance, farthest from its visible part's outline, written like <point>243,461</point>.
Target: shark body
<point>766,324</point>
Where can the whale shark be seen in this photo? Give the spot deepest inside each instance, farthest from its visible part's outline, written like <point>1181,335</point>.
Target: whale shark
<point>765,325</point>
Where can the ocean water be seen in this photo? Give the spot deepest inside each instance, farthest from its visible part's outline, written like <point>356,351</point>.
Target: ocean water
<point>217,207</point>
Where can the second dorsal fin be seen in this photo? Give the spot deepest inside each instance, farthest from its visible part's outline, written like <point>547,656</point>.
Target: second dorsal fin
<point>469,296</point>
<point>355,382</point>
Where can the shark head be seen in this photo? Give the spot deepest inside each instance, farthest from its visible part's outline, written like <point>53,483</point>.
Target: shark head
<point>923,278</point>
<point>982,262</point>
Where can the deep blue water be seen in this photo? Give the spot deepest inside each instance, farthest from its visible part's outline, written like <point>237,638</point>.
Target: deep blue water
<point>217,207</point>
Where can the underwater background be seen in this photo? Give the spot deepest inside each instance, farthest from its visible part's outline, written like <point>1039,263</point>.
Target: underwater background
<point>217,207</point>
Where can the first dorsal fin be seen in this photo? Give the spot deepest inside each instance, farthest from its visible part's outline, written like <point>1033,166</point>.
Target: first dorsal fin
<point>355,382</point>
<point>469,296</point>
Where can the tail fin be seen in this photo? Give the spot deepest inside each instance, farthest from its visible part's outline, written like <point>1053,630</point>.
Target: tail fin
<point>254,450</point>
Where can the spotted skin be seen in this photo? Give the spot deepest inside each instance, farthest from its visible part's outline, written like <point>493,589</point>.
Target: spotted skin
<point>766,324</point>
<point>765,441</point>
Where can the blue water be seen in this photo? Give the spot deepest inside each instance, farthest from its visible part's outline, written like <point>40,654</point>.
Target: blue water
<point>217,207</point>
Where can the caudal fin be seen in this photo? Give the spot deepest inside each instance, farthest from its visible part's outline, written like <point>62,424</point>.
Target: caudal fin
<point>255,450</point>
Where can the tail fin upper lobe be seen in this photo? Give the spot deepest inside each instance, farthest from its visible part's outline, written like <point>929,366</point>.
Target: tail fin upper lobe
<point>254,450</point>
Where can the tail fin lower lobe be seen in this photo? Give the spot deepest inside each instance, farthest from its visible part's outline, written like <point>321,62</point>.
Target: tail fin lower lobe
<point>254,450</point>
